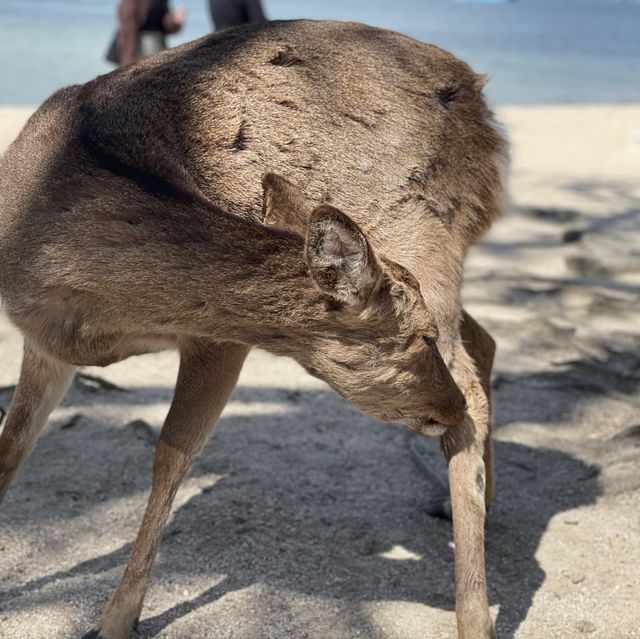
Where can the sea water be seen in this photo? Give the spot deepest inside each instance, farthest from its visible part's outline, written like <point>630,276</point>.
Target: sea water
<point>535,51</point>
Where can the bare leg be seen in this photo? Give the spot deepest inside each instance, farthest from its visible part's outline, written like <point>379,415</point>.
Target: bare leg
<point>208,374</point>
<point>43,382</point>
<point>463,446</point>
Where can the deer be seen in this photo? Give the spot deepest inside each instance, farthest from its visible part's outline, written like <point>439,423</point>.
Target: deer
<point>307,187</point>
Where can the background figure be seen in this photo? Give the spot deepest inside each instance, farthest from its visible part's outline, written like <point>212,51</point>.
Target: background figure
<point>142,26</point>
<point>231,13</point>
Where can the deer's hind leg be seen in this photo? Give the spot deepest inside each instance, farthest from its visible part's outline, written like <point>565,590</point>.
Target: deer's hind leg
<point>482,348</point>
<point>208,374</point>
<point>464,447</point>
<point>467,448</point>
<point>42,384</point>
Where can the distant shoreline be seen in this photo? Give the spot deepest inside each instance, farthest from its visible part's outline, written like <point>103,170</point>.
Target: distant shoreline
<point>551,52</point>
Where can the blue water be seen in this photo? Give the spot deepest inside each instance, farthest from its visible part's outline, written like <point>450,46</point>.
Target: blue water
<point>535,51</point>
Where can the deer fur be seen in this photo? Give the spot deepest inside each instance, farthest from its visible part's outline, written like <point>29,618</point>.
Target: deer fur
<point>146,210</point>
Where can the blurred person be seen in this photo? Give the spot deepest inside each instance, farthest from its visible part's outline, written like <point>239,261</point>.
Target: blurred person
<point>142,27</point>
<point>232,13</point>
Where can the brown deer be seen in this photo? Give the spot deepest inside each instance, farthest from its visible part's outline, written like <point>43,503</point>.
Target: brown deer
<point>134,217</point>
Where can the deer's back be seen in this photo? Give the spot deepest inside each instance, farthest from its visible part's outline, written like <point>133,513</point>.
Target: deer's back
<point>376,123</point>
<point>393,131</point>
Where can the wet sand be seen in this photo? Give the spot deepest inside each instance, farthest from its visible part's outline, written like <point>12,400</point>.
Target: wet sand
<point>303,518</point>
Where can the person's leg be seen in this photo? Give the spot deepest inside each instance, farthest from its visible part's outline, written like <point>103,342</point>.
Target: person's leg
<point>150,43</point>
<point>226,13</point>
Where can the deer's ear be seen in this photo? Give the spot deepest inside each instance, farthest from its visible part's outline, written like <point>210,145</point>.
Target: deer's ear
<point>284,205</point>
<point>340,258</point>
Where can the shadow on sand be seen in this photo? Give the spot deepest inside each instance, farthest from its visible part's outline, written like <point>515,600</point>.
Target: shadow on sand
<point>306,503</point>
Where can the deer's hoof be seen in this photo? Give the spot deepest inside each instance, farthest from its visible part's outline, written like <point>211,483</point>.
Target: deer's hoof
<point>97,634</point>
<point>440,508</point>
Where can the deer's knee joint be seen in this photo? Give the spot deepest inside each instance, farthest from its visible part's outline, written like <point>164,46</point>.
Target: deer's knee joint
<point>170,462</point>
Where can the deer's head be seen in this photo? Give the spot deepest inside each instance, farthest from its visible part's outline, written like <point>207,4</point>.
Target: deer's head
<point>376,341</point>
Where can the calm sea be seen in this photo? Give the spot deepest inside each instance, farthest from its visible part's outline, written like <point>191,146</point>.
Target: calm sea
<point>536,51</point>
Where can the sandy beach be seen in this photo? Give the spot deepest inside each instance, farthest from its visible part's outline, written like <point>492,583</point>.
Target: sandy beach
<point>304,518</point>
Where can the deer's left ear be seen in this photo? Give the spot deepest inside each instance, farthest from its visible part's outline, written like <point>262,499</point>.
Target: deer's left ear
<point>284,205</point>
<point>340,258</point>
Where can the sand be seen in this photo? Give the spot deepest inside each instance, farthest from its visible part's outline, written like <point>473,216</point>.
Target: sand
<point>303,518</point>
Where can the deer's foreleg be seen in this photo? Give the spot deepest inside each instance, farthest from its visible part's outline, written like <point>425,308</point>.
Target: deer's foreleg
<point>43,382</point>
<point>207,376</point>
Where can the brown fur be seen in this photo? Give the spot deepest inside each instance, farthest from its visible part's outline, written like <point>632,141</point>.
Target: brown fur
<point>131,220</point>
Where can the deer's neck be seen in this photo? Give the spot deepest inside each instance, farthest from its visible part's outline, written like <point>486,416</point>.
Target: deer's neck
<point>256,287</point>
